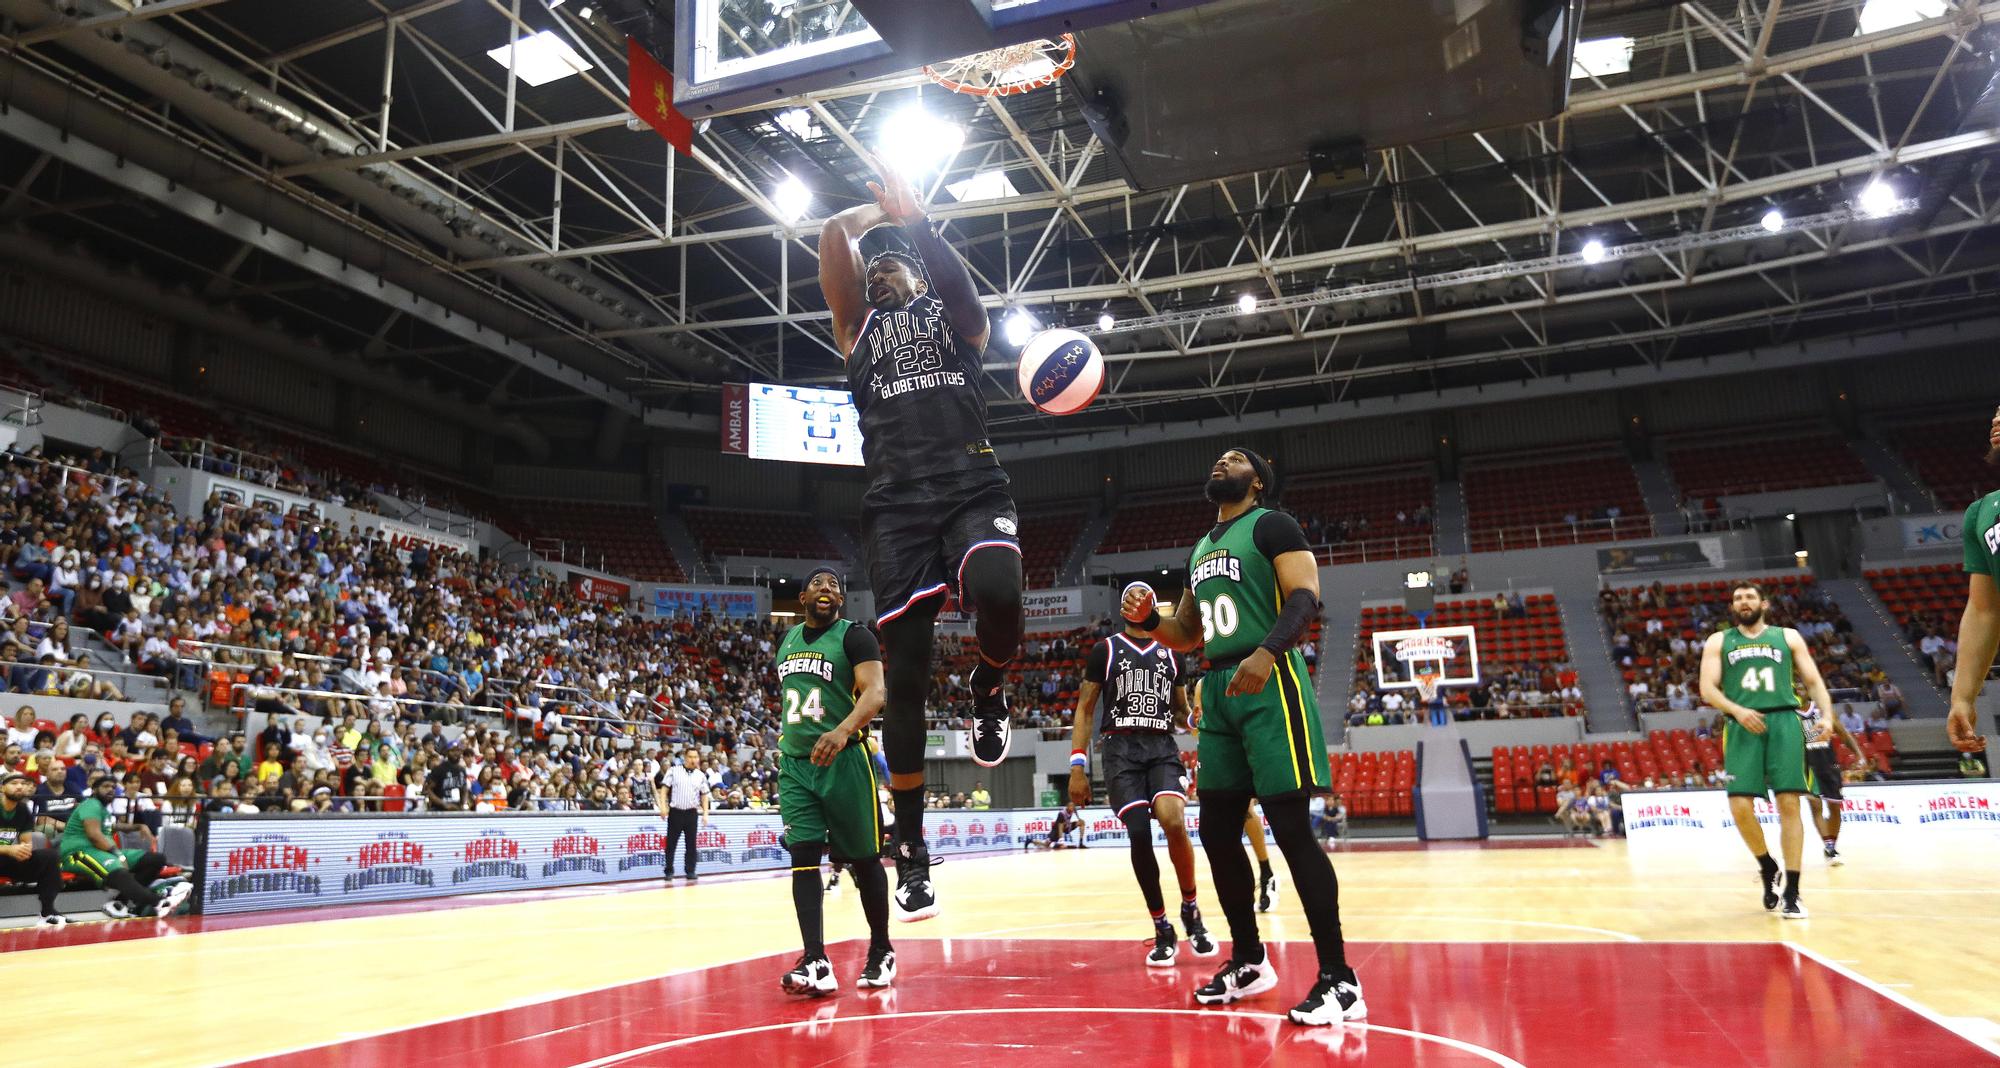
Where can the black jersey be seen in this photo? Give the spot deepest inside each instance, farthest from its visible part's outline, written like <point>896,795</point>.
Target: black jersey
<point>1138,683</point>
<point>916,383</point>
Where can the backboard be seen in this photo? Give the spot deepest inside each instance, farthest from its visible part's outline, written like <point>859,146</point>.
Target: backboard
<point>734,54</point>
<point>1451,651</point>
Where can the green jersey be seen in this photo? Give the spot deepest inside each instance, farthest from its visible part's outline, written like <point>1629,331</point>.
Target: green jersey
<point>815,685</point>
<point>1981,532</point>
<point>1757,672</point>
<point>1236,584</point>
<point>73,838</point>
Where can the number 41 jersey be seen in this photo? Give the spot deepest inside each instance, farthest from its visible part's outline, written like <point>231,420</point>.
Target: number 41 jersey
<point>916,383</point>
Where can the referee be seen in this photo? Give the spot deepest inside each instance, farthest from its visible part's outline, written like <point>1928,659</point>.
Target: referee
<point>683,796</point>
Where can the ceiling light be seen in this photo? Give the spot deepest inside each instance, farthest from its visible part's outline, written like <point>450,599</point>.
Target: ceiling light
<point>986,185</point>
<point>1246,304</point>
<point>1593,251</point>
<point>585,13</point>
<point>792,198</point>
<point>1602,57</point>
<point>799,123</point>
<point>916,142</point>
<point>1105,321</point>
<point>541,58</point>
<point>1019,327</point>
<point>1878,198</point>
<point>1889,14</point>
<point>1774,220</point>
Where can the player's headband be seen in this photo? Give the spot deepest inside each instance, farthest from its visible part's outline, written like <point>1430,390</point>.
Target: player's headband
<point>1261,467</point>
<point>818,571</point>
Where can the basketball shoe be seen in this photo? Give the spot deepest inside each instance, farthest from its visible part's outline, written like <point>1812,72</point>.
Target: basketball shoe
<point>1199,943</point>
<point>916,898</point>
<point>812,976</point>
<point>117,909</point>
<point>55,920</point>
<point>880,970</point>
<point>1238,979</point>
<point>1833,858</point>
<point>1793,910</point>
<point>1165,945</point>
<point>1774,885</point>
<point>992,729</point>
<point>1335,998</point>
<point>173,900</point>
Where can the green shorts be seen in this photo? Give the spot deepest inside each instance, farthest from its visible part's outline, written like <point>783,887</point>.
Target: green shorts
<point>1267,743</point>
<point>1771,762</point>
<point>837,805</point>
<point>96,864</point>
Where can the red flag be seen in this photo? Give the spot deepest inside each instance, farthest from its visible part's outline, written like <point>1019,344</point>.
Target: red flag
<point>652,97</point>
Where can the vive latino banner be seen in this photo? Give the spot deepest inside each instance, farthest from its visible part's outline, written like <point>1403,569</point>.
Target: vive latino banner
<point>281,861</point>
<point>598,588</point>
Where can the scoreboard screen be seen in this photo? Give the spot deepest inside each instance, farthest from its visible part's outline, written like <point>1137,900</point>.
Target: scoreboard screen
<point>800,424</point>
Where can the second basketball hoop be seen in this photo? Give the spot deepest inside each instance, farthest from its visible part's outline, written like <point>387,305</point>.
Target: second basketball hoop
<point>1006,71</point>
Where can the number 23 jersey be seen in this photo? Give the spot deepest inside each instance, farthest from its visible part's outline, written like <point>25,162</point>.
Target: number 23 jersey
<point>916,384</point>
<point>1234,575</point>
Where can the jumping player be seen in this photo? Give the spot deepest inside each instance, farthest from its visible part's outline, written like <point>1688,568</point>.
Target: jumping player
<point>1253,588</point>
<point>830,687</point>
<point>937,518</point>
<point>1822,732</point>
<point>1747,671</point>
<point>1979,627</point>
<point>1143,701</point>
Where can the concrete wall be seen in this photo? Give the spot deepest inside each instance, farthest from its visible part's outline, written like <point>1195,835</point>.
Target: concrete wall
<point>1480,735</point>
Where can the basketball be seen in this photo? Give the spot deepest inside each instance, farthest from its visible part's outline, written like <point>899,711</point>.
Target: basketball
<point>1060,371</point>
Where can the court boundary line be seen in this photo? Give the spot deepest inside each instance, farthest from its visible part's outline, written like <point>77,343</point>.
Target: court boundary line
<point>1495,1056</point>
<point>1898,997</point>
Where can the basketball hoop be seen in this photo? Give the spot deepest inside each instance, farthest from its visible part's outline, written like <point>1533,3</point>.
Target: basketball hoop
<point>1006,71</point>
<point>1428,678</point>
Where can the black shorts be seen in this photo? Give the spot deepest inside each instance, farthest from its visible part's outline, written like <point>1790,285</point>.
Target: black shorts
<point>1825,771</point>
<point>1138,768</point>
<point>918,534</point>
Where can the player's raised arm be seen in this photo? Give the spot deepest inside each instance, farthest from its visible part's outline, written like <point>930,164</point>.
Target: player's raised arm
<point>1978,640</point>
<point>840,268</point>
<point>1808,672</point>
<point>950,282</point>
<point>1711,686</point>
<point>1180,632</point>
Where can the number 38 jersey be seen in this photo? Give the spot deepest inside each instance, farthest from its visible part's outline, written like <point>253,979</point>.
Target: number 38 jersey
<point>1757,672</point>
<point>1138,682</point>
<point>1234,575</point>
<point>916,383</point>
<point>816,681</point>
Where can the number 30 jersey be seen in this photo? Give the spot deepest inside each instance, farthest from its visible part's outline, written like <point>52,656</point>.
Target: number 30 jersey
<point>916,383</point>
<point>816,682</point>
<point>1234,575</point>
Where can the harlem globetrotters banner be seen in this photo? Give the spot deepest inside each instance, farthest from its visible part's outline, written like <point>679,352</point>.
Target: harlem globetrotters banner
<point>283,861</point>
<point>1940,814</point>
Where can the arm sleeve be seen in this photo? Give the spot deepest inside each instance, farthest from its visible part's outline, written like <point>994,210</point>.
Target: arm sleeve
<point>1977,560</point>
<point>950,282</point>
<point>860,645</point>
<point>1097,665</point>
<point>1278,533</point>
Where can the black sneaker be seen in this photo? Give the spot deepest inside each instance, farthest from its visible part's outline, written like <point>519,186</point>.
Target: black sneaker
<point>1199,943</point>
<point>1237,980</point>
<point>811,976</point>
<point>1793,910</point>
<point>992,729</point>
<point>880,970</point>
<point>1773,884</point>
<point>1165,946</point>
<point>1267,891</point>
<point>833,882</point>
<point>1331,1001</point>
<point>1833,856</point>
<point>916,898</point>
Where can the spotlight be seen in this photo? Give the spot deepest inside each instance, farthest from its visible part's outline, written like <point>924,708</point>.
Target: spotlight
<point>1019,327</point>
<point>1593,251</point>
<point>1774,221</point>
<point>1878,198</point>
<point>1246,304</point>
<point>1105,321</point>
<point>792,198</point>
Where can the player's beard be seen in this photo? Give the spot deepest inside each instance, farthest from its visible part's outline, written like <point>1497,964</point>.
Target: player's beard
<point>821,618</point>
<point>1993,456</point>
<point>1226,490</point>
<point>1748,617</point>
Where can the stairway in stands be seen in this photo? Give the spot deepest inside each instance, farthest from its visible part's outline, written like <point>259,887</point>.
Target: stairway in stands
<point>687,551</point>
<point>1087,541</point>
<point>1450,522</point>
<point>1874,624</point>
<point>1663,498</point>
<point>1909,494</point>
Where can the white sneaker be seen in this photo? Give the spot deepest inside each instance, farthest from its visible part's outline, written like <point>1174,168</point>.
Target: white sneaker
<point>1331,1001</point>
<point>1238,980</point>
<point>117,910</point>
<point>171,901</point>
<point>812,976</point>
<point>57,920</point>
<point>1794,910</point>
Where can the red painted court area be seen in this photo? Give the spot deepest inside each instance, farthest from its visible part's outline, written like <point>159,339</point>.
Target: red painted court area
<point>1717,1005</point>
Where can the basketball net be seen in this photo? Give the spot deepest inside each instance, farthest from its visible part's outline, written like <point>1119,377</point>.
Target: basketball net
<point>1428,677</point>
<point>1006,71</point>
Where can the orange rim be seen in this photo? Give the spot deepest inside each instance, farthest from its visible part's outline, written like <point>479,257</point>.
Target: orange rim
<point>954,75</point>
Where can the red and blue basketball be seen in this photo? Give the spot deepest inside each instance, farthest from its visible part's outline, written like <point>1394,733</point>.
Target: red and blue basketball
<point>1060,371</point>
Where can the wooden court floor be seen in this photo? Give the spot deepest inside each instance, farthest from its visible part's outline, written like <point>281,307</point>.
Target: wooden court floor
<point>1921,930</point>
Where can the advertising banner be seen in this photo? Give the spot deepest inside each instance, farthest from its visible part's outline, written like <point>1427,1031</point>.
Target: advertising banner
<point>598,588</point>
<point>1051,604</point>
<point>1939,531</point>
<point>1941,815</point>
<point>736,418</point>
<point>733,604</point>
<point>279,861</point>
<point>399,535</point>
<point>1664,556</point>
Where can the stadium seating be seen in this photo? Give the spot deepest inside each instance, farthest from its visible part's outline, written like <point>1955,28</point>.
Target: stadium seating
<point>1376,785</point>
<point>1707,471</point>
<point>1553,502</point>
<point>625,536</point>
<point>1046,541</point>
<point>1948,455</point>
<point>1356,518</point>
<point>1532,645</point>
<point>787,535</point>
<point>1175,523</point>
<point>1662,758</point>
<point>1927,594</point>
